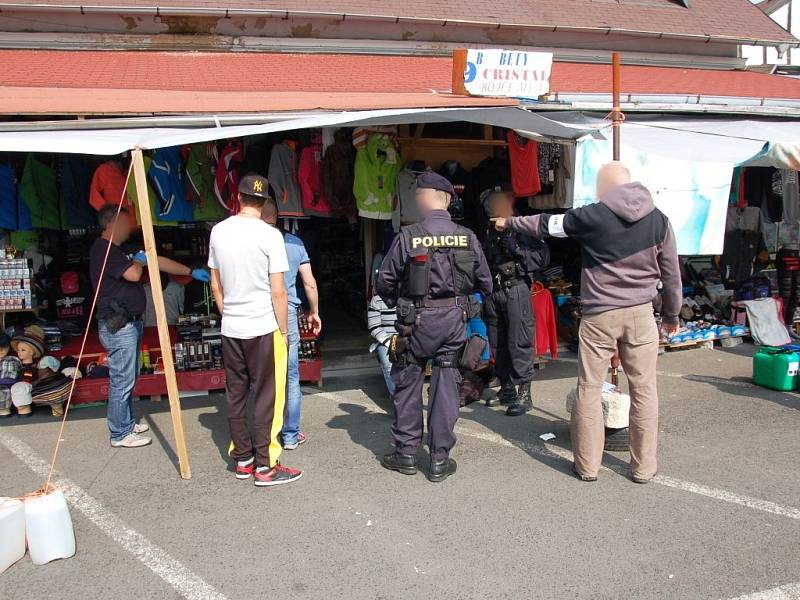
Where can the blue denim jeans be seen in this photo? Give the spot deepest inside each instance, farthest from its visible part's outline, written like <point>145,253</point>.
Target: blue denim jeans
<point>123,368</point>
<point>294,397</point>
<point>382,354</point>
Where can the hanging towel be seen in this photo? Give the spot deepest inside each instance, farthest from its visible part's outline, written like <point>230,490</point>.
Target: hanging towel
<point>766,327</point>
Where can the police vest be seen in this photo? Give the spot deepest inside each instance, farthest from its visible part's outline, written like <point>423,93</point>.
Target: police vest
<point>423,247</point>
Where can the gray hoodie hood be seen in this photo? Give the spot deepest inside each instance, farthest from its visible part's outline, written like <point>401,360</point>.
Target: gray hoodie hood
<point>631,202</point>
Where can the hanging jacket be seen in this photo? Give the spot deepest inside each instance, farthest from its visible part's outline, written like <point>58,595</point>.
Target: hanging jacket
<point>546,334</point>
<point>524,156</point>
<point>40,191</point>
<point>376,171</point>
<point>338,174</point>
<point>8,199</point>
<point>405,209</point>
<point>108,185</point>
<point>282,176</point>
<point>200,183</point>
<point>226,175</point>
<point>309,176</point>
<point>76,180</point>
<point>153,202</point>
<point>166,174</point>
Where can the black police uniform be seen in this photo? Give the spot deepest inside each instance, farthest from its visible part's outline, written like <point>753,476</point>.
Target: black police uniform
<point>428,274</point>
<point>513,259</point>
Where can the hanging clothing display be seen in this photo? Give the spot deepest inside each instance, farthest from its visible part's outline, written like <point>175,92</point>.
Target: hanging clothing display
<point>76,181</point>
<point>376,169</point>
<point>405,209</point>
<point>791,196</point>
<point>361,135</point>
<point>546,334</point>
<point>226,174</point>
<point>524,155</point>
<point>199,163</point>
<point>309,176</point>
<point>166,174</point>
<point>39,190</point>
<point>282,176</point>
<point>338,165</point>
<point>549,158</point>
<point>8,198</point>
<point>152,198</point>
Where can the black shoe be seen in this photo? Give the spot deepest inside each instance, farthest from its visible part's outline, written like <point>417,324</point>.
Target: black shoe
<point>582,477</point>
<point>507,394</point>
<point>402,463</point>
<point>441,469</point>
<point>524,401</point>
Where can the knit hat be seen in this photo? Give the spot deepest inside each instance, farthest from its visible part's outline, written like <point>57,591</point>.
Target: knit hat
<point>32,335</point>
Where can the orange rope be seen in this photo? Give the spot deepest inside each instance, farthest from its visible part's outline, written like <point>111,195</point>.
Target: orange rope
<point>46,488</point>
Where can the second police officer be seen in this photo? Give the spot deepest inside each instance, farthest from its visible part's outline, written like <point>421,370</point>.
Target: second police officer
<point>514,259</point>
<point>429,274</point>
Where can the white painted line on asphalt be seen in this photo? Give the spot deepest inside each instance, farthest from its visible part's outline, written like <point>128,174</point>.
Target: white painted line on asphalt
<point>556,451</point>
<point>790,591</point>
<point>181,579</point>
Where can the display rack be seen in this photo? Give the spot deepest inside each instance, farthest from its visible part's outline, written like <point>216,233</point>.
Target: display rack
<point>310,354</point>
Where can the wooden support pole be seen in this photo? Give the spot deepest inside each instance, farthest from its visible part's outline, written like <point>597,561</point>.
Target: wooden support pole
<point>459,67</point>
<point>616,111</point>
<point>161,314</point>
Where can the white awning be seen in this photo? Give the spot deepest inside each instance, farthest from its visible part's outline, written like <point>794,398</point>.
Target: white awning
<point>115,141</point>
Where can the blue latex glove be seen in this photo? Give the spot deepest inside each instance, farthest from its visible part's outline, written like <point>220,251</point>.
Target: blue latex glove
<point>201,275</point>
<point>140,257</point>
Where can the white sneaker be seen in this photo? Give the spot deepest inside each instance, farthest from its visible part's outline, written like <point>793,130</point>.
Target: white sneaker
<point>141,428</point>
<point>132,440</point>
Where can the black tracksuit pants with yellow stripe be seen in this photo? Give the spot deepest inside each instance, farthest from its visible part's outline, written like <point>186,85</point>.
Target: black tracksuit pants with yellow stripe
<point>259,363</point>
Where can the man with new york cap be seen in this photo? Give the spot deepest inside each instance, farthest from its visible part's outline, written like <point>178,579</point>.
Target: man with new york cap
<point>429,275</point>
<point>248,260</point>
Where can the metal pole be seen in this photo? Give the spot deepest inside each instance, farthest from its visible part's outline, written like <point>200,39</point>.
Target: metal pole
<point>616,112</point>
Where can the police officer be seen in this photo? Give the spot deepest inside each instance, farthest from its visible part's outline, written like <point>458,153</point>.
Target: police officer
<point>513,259</point>
<point>429,274</point>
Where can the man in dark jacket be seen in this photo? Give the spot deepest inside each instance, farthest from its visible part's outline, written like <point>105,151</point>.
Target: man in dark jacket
<point>628,247</point>
<point>513,258</point>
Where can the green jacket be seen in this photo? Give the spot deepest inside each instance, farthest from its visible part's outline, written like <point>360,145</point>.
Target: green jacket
<point>376,169</point>
<point>200,173</point>
<point>40,193</point>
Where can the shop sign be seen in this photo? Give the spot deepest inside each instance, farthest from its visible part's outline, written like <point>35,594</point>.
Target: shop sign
<point>508,73</point>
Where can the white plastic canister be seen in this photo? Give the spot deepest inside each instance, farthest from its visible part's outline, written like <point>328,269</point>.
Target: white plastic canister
<point>49,528</point>
<point>12,532</point>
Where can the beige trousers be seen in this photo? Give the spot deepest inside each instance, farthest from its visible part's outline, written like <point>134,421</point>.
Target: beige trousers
<point>634,331</point>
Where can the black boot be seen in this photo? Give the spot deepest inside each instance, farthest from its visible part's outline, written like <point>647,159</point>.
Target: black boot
<point>507,394</point>
<point>402,463</point>
<point>441,469</point>
<point>524,402</point>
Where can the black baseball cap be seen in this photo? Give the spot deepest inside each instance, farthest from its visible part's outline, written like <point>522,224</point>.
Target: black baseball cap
<point>254,185</point>
<point>433,181</point>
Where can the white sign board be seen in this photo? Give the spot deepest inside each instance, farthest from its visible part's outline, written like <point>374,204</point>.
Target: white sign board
<point>508,73</point>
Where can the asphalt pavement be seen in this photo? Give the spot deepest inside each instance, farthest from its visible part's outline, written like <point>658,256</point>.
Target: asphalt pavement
<point>721,521</point>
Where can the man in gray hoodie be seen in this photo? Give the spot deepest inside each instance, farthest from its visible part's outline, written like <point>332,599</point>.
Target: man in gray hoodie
<point>628,247</point>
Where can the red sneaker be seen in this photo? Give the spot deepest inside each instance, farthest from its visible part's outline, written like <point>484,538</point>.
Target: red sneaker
<point>277,475</point>
<point>245,472</point>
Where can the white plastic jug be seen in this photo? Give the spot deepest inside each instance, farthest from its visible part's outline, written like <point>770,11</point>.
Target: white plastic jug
<point>49,528</point>
<point>12,532</point>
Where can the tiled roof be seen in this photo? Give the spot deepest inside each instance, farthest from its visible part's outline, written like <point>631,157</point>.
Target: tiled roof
<point>55,82</point>
<point>733,19</point>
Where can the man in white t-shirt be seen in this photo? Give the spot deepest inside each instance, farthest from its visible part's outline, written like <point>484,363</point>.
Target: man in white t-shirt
<point>248,260</point>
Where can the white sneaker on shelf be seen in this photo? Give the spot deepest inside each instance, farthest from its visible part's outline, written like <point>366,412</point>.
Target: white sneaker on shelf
<point>132,440</point>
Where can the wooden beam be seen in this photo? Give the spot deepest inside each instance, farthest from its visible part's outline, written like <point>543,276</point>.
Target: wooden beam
<point>421,141</point>
<point>459,67</point>
<point>161,314</point>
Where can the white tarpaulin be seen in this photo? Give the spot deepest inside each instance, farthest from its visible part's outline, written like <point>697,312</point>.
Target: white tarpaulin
<point>115,141</point>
